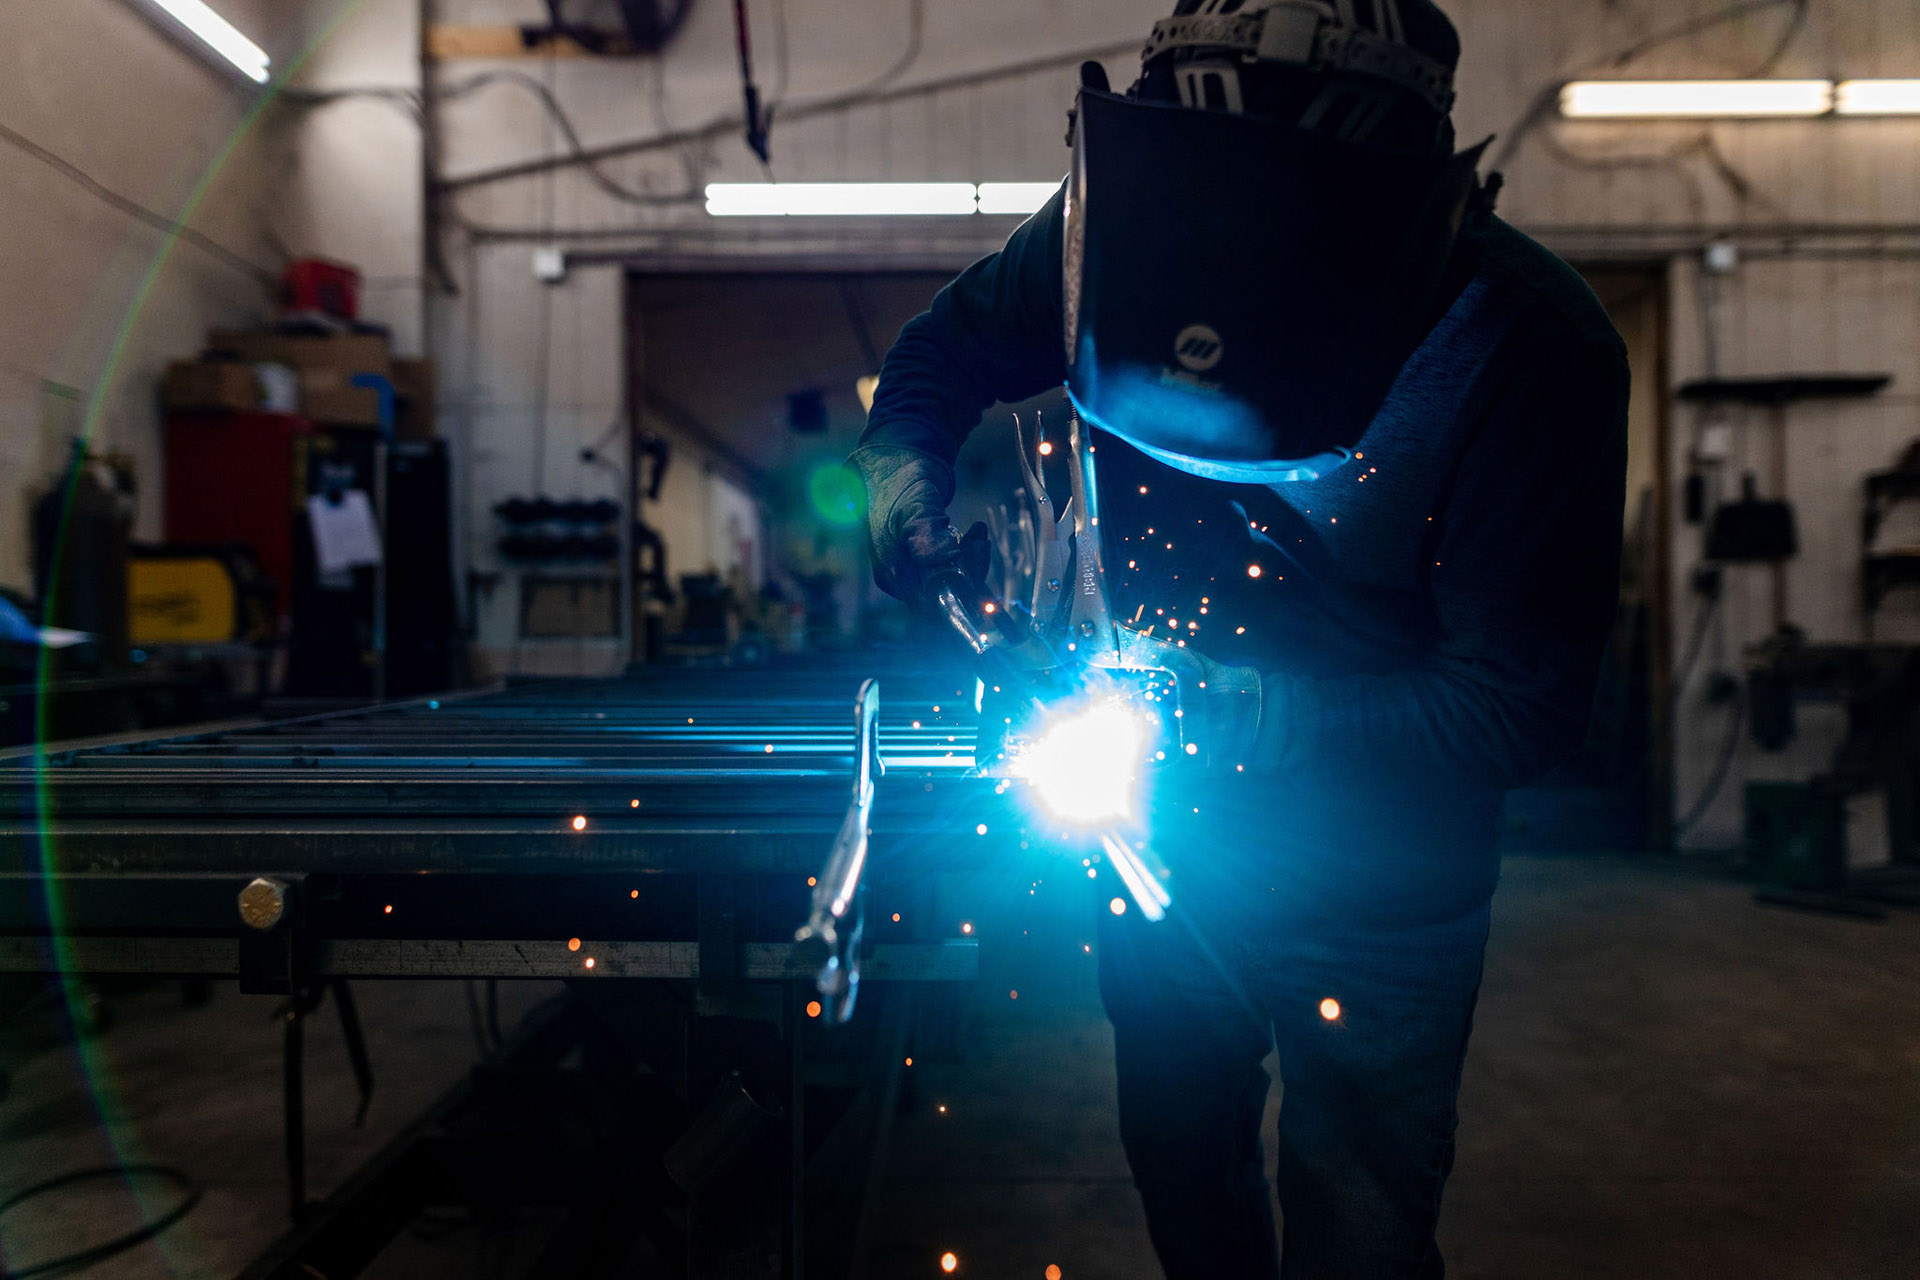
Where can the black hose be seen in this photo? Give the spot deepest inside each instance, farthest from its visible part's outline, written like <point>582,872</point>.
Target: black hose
<point>80,1260</point>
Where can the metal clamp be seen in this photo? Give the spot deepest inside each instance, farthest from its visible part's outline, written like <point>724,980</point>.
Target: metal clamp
<point>829,940</point>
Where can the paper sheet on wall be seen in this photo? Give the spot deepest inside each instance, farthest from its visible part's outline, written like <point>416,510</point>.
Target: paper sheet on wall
<point>344,535</point>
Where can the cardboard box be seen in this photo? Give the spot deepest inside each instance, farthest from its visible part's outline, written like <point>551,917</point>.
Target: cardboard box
<point>347,353</point>
<point>329,396</point>
<point>413,400</point>
<point>199,385</point>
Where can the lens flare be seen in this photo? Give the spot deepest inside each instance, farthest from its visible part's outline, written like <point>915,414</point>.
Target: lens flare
<point>1084,768</point>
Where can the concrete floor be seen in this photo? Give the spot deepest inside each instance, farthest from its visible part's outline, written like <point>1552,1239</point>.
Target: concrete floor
<point>1665,1081</point>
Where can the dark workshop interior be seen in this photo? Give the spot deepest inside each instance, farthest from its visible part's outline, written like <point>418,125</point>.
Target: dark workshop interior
<point>577,701</point>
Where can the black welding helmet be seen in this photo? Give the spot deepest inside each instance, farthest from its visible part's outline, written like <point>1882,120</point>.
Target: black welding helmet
<point>1255,242</point>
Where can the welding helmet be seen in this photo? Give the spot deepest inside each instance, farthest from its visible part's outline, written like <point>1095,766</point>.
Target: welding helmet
<point>1257,232</point>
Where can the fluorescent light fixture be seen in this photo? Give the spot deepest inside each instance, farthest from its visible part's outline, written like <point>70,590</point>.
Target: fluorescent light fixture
<point>1641,99</point>
<point>1015,197</point>
<point>838,199</point>
<point>214,33</point>
<point>1877,98</point>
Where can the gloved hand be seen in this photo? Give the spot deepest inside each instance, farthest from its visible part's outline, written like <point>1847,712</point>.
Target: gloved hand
<point>907,527</point>
<point>1233,715</point>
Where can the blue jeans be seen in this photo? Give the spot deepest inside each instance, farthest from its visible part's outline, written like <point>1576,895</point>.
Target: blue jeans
<point>1367,1115</point>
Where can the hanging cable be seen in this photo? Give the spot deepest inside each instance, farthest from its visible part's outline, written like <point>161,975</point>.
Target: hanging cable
<point>758,120</point>
<point>133,208</point>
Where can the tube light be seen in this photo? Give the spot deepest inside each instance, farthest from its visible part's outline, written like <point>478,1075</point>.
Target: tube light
<point>1877,98</point>
<point>219,35</point>
<point>1639,99</point>
<point>1015,197</point>
<point>841,199</point>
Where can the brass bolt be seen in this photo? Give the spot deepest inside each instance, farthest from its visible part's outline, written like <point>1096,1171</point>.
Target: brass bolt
<point>263,903</point>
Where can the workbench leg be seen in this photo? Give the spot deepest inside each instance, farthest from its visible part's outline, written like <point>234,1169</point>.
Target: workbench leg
<point>293,1101</point>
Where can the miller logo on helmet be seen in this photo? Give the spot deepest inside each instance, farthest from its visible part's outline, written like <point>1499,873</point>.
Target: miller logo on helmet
<point>1198,348</point>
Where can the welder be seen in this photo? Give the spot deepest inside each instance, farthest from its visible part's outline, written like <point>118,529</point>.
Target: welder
<point>1362,446</point>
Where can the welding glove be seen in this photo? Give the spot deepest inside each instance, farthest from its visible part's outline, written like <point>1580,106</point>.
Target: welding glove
<point>908,531</point>
<point>1233,704</point>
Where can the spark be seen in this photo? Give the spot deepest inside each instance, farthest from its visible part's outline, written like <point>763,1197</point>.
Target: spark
<point>980,829</point>
<point>633,893</point>
<point>1087,947</point>
<point>1013,995</point>
<point>943,1108</point>
<point>573,944</point>
<point>1359,455</point>
<point>769,748</point>
<point>1193,749</point>
<point>1053,1271</point>
<point>813,1008</point>
<point>1253,571</point>
<point>579,823</point>
<point>916,724</point>
<point>936,710</point>
<point>689,719</point>
<point>1131,564</point>
<point>949,1263</point>
<point>896,917</point>
<point>810,880</point>
<point>909,1061</point>
<point>633,804</point>
<point>1373,471</point>
<point>1046,448</point>
<point>1092,874</point>
<point>1143,489</point>
<point>588,962</point>
<point>1330,1009</point>
<point>1239,631</point>
<point>1118,906</point>
<point>1203,609</point>
<point>388,909</point>
<point>987,607</point>
<point>966,926</point>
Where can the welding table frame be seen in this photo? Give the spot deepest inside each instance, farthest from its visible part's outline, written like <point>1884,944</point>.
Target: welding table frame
<point>388,835</point>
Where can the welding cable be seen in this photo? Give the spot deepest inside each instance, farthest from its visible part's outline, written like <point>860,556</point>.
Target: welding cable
<point>1729,747</point>
<point>80,1260</point>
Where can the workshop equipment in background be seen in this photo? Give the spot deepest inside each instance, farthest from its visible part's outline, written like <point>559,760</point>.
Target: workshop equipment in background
<point>647,840</point>
<point>238,477</point>
<point>1798,833</point>
<point>210,386</point>
<point>422,614</point>
<point>1751,529</point>
<point>181,594</point>
<point>82,526</point>
<point>342,379</point>
<point>314,289</point>
<point>1884,569</point>
<point>544,531</point>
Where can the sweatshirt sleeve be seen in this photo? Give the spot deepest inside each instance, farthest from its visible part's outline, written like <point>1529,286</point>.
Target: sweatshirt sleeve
<point>995,334</point>
<point>1525,579</point>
